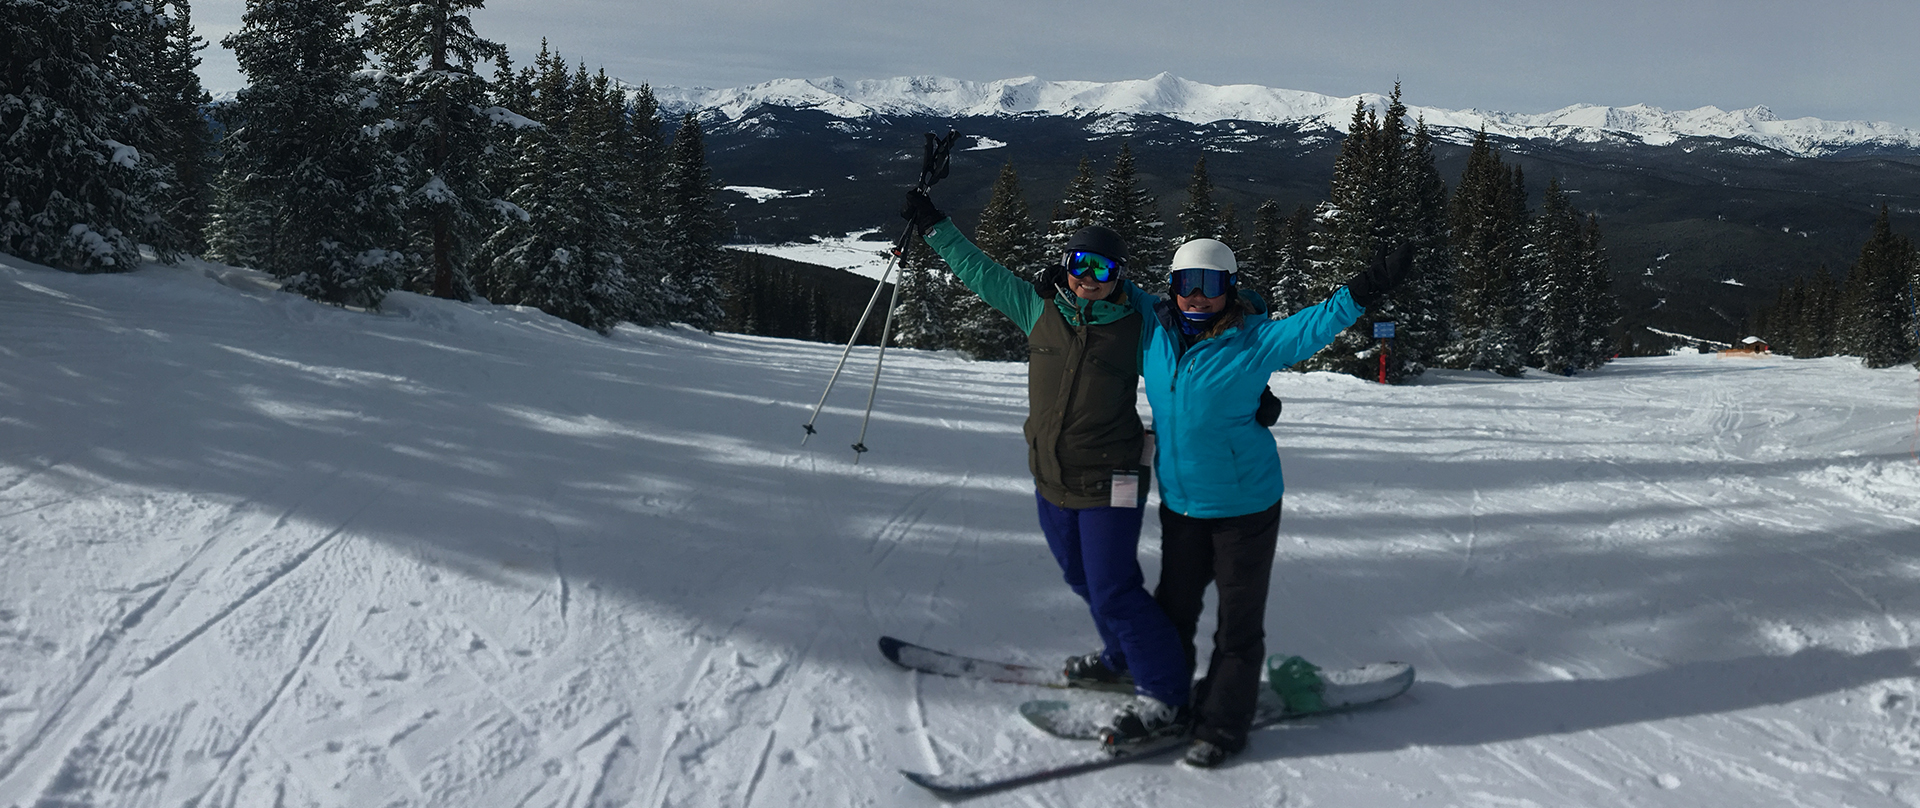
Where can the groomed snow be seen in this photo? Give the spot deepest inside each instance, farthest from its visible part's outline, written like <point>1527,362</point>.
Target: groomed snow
<point>259,551</point>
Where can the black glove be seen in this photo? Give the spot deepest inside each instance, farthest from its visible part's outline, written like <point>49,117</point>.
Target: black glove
<point>1371,285</point>
<point>1269,410</point>
<point>1048,282</point>
<point>920,211</point>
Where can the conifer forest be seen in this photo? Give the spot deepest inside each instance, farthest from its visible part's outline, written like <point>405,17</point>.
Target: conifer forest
<point>382,145</point>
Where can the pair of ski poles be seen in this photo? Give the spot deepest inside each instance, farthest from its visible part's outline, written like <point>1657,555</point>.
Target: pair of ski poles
<point>933,167</point>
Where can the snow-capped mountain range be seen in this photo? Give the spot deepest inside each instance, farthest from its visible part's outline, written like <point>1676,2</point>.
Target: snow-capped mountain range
<point>1174,97</point>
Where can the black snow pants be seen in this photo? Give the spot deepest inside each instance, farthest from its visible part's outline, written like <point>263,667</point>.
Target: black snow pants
<point>1236,554</point>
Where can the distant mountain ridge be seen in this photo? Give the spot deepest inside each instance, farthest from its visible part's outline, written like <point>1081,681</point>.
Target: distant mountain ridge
<point>1173,97</point>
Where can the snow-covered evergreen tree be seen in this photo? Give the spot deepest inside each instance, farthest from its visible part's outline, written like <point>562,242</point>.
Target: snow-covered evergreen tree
<point>1814,326</point>
<point>1553,256</point>
<point>1199,217</point>
<point>1424,303</point>
<point>643,160</point>
<point>1600,309</point>
<point>1230,231</point>
<point>1486,240</point>
<point>1126,205</point>
<point>1007,235</point>
<point>1344,242</point>
<point>80,179</point>
<point>431,88</point>
<point>695,227</point>
<point>1385,193</point>
<point>1076,209</point>
<point>924,316</point>
<point>530,171</point>
<point>1876,311</point>
<point>309,188</point>
<point>179,138</point>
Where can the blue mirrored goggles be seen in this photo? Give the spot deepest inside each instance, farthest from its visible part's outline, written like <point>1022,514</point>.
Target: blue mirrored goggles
<point>1208,282</point>
<point>1103,268</point>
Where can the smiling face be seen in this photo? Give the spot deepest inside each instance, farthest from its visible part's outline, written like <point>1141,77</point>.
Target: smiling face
<point>1199,303</point>
<point>1086,288</point>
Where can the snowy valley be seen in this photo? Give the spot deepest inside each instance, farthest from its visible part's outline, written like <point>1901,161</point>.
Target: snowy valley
<point>261,551</point>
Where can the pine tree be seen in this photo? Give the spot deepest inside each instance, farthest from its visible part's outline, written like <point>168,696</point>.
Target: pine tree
<point>1385,193</point>
<point>530,171</point>
<point>1345,241</point>
<point>1553,257</point>
<point>80,179</point>
<point>643,160</point>
<point>1876,321</point>
<point>1132,211</point>
<point>1007,235</point>
<point>1486,241</point>
<point>1422,306</point>
<point>306,193</point>
<point>695,226</point>
<point>180,140</point>
<point>1231,233</point>
<point>1600,309</point>
<point>1814,326</point>
<point>433,90</point>
<point>1200,217</point>
<point>1077,208</point>
<point>568,255</point>
<point>923,318</point>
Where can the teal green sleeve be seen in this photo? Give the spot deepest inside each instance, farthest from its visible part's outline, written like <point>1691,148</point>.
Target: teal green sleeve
<point>1008,293</point>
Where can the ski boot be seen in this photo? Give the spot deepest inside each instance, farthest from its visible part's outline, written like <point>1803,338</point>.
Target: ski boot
<point>1089,671</point>
<point>1206,754</point>
<point>1143,719</point>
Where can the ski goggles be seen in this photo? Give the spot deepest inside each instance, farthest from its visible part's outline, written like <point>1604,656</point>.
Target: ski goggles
<point>1208,282</point>
<point>1101,267</point>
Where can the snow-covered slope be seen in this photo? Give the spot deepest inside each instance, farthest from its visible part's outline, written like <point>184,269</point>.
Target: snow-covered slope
<point>256,551</point>
<point>1174,97</point>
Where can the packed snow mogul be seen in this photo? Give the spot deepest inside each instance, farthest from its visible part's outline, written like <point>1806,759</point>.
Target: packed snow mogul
<point>1220,482</point>
<point>1085,327</point>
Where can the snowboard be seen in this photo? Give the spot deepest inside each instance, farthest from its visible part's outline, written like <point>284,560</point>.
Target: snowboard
<point>1343,690</point>
<point>1080,719</point>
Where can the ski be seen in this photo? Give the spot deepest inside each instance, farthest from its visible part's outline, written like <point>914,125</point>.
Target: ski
<point>1021,773</point>
<point>926,660</point>
<point>1341,690</point>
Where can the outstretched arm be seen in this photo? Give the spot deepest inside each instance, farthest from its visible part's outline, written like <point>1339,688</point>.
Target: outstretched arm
<point>1007,292</point>
<point>1284,342</point>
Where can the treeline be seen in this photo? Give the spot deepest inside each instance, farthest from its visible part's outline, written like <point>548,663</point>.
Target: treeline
<point>1870,314</point>
<point>367,153</point>
<point>1496,284</point>
<point>771,296</point>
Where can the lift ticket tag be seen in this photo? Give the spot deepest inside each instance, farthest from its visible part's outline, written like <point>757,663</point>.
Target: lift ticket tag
<point>1126,489</point>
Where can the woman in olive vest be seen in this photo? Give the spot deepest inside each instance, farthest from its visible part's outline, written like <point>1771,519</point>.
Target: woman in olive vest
<point>1086,329</point>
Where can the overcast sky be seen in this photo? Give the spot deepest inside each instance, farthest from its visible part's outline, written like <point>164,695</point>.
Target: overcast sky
<point>1833,59</point>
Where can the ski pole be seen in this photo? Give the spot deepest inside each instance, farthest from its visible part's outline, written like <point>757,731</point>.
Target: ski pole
<point>933,167</point>
<point>892,258</point>
<point>886,328</point>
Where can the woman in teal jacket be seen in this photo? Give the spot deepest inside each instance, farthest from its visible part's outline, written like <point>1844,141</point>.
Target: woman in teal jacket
<point>1220,480</point>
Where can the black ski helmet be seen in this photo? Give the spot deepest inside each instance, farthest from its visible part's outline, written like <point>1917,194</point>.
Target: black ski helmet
<point>1097,239</point>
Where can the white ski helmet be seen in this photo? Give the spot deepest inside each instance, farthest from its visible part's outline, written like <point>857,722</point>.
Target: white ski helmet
<point>1205,253</point>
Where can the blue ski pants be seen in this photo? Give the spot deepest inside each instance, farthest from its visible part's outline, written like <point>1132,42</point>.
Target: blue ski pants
<point>1096,548</point>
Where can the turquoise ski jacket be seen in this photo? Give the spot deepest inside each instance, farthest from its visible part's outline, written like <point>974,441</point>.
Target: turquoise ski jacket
<point>1212,458</point>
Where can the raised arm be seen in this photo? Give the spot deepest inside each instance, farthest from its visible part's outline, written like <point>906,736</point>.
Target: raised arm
<point>1007,292</point>
<point>1284,342</point>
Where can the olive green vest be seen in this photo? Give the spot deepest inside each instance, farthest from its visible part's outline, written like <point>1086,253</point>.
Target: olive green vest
<point>1081,423</point>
